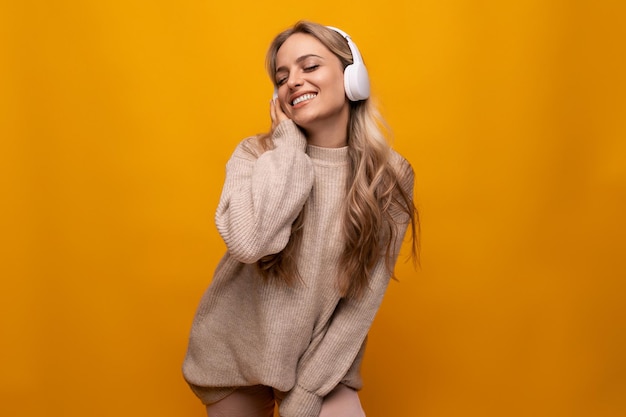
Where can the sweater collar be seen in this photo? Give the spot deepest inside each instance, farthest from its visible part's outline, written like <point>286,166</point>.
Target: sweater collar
<point>334,156</point>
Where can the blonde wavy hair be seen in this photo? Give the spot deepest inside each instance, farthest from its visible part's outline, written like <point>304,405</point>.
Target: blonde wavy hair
<point>375,197</point>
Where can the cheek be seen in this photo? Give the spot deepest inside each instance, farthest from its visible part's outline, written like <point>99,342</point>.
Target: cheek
<point>337,89</point>
<point>340,96</point>
<point>332,81</point>
<point>340,86</point>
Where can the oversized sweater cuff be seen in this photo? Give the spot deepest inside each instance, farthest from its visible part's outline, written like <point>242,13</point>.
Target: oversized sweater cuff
<point>301,403</point>
<point>288,134</point>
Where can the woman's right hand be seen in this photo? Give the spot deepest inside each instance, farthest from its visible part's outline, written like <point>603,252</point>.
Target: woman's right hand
<point>276,113</point>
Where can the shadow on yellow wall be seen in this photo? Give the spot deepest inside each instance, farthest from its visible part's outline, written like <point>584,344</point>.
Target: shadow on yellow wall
<point>118,118</point>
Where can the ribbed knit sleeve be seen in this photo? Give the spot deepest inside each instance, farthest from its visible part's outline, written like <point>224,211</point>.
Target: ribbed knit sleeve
<point>262,197</point>
<point>325,364</point>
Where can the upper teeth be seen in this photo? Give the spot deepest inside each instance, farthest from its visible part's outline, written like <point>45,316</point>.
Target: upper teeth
<point>303,98</point>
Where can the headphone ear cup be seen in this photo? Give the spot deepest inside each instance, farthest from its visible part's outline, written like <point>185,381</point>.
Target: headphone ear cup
<point>356,82</point>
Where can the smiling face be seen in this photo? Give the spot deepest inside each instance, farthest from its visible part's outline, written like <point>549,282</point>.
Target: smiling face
<point>309,78</point>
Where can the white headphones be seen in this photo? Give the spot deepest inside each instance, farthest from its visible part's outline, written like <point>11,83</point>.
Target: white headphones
<point>356,81</point>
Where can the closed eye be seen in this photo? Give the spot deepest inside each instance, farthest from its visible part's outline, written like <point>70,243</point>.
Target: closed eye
<point>311,68</point>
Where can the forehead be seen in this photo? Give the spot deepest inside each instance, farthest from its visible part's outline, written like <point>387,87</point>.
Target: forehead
<point>300,44</point>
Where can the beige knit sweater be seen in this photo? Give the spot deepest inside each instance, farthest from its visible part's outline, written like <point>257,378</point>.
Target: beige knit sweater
<point>302,339</point>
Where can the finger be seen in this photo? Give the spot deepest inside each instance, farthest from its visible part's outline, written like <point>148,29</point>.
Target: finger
<point>274,113</point>
<point>280,114</point>
<point>273,110</point>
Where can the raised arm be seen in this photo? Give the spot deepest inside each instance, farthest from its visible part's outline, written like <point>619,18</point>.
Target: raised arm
<point>262,196</point>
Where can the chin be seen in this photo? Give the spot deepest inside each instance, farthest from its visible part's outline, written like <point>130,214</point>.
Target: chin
<point>304,122</point>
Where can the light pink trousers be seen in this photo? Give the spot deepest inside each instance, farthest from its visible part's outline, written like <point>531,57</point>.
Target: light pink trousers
<point>258,401</point>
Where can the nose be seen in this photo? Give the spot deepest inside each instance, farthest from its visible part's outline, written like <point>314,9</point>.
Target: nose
<point>294,81</point>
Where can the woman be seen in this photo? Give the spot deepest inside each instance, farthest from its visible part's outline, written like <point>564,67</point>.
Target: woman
<point>313,215</point>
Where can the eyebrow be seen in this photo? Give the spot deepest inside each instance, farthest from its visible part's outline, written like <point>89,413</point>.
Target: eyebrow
<point>298,60</point>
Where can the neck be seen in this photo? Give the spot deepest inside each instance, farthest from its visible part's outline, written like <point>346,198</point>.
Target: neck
<point>330,133</point>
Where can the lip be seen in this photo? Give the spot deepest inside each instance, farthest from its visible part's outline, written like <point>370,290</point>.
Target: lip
<point>298,94</point>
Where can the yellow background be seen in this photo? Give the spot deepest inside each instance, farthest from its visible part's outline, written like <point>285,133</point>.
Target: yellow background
<point>117,118</point>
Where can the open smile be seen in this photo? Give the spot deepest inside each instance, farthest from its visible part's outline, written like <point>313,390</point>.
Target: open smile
<point>302,98</point>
